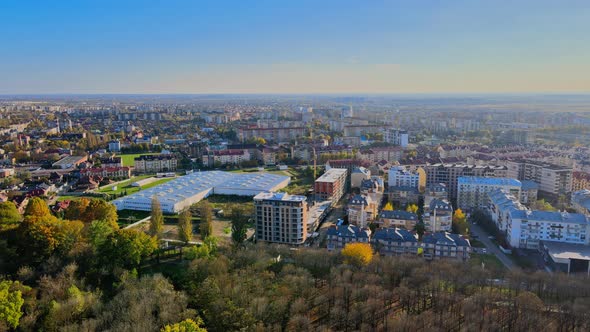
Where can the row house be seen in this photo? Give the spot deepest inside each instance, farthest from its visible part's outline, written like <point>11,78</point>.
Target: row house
<point>107,172</point>
<point>338,236</point>
<point>443,245</point>
<point>398,219</point>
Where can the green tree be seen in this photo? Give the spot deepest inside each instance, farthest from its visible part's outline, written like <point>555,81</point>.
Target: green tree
<point>185,226</point>
<point>206,224</point>
<point>420,228</point>
<point>187,325</point>
<point>9,216</point>
<point>125,248</point>
<point>157,218</point>
<point>11,302</point>
<point>98,231</point>
<point>240,218</point>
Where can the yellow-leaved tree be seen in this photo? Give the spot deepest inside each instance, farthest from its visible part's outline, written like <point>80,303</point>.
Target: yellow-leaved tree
<point>388,207</point>
<point>357,253</point>
<point>412,208</point>
<point>460,222</point>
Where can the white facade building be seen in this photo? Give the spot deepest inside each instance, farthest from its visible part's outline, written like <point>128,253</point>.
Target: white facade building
<point>472,191</point>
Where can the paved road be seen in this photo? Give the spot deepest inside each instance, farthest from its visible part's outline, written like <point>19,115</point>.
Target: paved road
<point>492,248</point>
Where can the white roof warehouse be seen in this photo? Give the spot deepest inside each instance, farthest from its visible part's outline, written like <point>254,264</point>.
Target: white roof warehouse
<point>180,193</point>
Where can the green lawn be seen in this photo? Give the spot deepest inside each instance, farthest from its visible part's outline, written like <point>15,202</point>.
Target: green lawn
<point>127,217</point>
<point>128,159</point>
<point>491,262</point>
<point>126,186</point>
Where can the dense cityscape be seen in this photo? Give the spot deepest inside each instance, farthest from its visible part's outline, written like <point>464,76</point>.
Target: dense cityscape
<point>98,190</point>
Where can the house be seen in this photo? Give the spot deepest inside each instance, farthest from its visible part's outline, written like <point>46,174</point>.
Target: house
<point>359,174</point>
<point>402,195</point>
<point>443,245</point>
<point>398,219</point>
<point>361,210</point>
<point>394,241</point>
<point>339,236</point>
<point>438,216</point>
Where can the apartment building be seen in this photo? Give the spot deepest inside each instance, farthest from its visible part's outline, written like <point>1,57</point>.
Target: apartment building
<point>226,157</point>
<point>396,136</point>
<point>397,219</point>
<point>358,175</point>
<point>108,172</point>
<point>377,154</point>
<point>581,201</point>
<point>394,241</point>
<point>362,210</point>
<point>438,216</point>
<point>525,228</point>
<point>581,180</point>
<point>156,163</point>
<point>473,190</point>
<point>552,179</point>
<point>271,134</point>
<point>331,186</point>
<point>450,173</point>
<point>338,236</point>
<point>280,218</point>
<point>399,176</point>
<point>445,245</point>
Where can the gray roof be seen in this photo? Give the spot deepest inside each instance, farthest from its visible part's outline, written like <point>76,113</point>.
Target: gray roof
<point>446,238</point>
<point>550,216</point>
<point>529,185</point>
<point>440,204</point>
<point>394,234</point>
<point>398,214</point>
<point>348,231</point>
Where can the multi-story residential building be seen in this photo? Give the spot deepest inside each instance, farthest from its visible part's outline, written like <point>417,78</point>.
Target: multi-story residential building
<point>398,219</point>
<point>435,191</point>
<point>331,186</point>
<point>581,201</point>
<point>396,136</point>
<point>226,157</point>
<point>450,173</point>
<point>403,195</point>
<point>525,228</point>
<point>111,162</point>
<point>361,210</point>
<point>358,175</point>
<point>108,172</point>
<point>115,146</point>
<point>280,218</point>
<point>272,134</point>
<point>581,180</point>
<point>441,245</point>
<point>529,192</point>
<point>399,176</point>
<point>156,163</point>
<point>552,179</point>
<point>394,241</point>
<point>377,154</point>
<point>338,236</point>
<point>358,130</point>
<point>472,190</point>
<point>438,216</point>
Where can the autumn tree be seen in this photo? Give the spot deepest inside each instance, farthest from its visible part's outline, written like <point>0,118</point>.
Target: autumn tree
<point>9,216</point>
<point>542,205</point>
<point>187,325</point>
<point>412,208</point>
<point>11,302</point>
<point>46,236</point>
<point>388,207</point>
<point>357,253</point>
<point>206,224</point>
<point>89,210</point>
<point>36,209</point>
<point>157,218</point>
<point>460,222</point>
<point>185,226</point>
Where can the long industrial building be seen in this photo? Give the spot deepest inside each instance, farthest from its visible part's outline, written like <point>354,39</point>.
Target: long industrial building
<point>181,193</point>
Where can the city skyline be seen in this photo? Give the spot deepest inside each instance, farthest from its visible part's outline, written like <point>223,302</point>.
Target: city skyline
<point>296,48</point>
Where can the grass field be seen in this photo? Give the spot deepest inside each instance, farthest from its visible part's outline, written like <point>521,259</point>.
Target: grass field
<point>491,262</point>
<point>128,159</point>
<point>126,186</point>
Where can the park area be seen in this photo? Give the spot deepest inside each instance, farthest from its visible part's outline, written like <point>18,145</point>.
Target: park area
<point>129,159</point>
<point>125,188</point>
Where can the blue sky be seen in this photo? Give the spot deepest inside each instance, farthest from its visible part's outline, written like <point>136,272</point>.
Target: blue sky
<point>300,46</point>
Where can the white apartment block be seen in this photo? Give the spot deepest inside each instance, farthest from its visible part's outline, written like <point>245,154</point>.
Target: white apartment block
<point>396,136</point>
<point>525,228</point>
<point>473,190</point>
<point>155,163</point>
<point>399,176</point>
